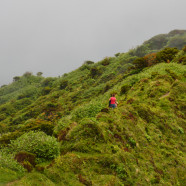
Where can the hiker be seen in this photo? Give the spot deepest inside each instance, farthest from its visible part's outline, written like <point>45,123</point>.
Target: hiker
<point>112,102</point>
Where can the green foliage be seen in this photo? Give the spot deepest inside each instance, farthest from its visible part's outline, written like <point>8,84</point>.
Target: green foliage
<point>47,82</point>
<point>94,72</point>
<point>124,89</point>
<point>63,84</point>
<point>87,111</point>
<point>178,41</point>
<point>157,42</point>
<point>46,90</point>
<point>39,74</point>
<point>106,61</point>
<point>27,74</point>
<point>140,51</point>
<point>16,78</point>
<point>166,55</point>
<point>7,161</point>
<point>140,63</point>
<point>88,62</point>
<point>45,147</point>
<point>99,145</point>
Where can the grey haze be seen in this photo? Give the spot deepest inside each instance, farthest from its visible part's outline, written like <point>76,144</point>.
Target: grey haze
<point>57,36</point>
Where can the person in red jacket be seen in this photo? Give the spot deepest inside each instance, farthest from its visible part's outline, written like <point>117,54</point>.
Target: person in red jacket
<point>112,101</point>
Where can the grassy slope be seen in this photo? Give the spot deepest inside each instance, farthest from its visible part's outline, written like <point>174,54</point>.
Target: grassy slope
<point>140,142</point>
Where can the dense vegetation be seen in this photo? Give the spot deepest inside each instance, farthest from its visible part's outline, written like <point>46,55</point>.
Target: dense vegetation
<point>60,131</point>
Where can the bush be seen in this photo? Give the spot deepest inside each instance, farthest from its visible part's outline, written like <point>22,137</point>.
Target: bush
<point>166,55</point>
<point>94,71</point>
<point>184,48</point>
<point>140,63</point>
<point>89,110</point>
<point>182,60</point>
<point>43,146</point>
<point>105,61</point>
<point>125,89</point>
<point>87,129</point>
<point>88,62</point>
<point>27,74</point>
<point>63,84</point>
<point>46,90</point>
<point>48,82</point>
<point>7,161</point>
<point>16,78</point>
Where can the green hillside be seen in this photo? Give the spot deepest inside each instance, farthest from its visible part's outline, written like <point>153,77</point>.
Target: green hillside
<point>60,131</point>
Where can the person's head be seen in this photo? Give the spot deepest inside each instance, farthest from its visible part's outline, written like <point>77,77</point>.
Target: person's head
<point>113,95</point>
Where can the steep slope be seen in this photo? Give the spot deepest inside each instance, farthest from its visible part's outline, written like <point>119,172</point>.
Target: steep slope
<point>141,142</point>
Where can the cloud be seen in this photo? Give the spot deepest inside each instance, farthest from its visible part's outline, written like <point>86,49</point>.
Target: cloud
<point>56,37</point>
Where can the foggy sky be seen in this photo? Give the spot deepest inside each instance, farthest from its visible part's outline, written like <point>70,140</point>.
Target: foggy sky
<point>57,36</point>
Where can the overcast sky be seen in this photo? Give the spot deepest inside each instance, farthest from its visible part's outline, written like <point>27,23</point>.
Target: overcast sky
<point>57,36</point>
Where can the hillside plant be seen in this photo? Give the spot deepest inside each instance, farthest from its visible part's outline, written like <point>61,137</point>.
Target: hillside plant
<point>166,55</point>
<point>43,146</point>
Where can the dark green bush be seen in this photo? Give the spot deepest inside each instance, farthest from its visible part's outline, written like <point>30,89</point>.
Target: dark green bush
<point>140,63</point>
<point>125,88</point>
<point>27,74</point>
<point>94,71</point>
<point>88,62</point>
<point>166,55</point>
<point>105,61</point>
<point>47,82</point>
<point>46,90</point>
<point>182,60</point>
<point>63,84</point>
<point>16,78</point>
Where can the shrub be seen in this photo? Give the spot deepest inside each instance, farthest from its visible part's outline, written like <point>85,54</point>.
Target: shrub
<point>150,59</point>
<point>106,61</point>
<point>125,89</point>
<point>27,160</point>
<point>117,54</point>
<point>184,48</point>
<point>94,71</point>
<point>88,62</point>
<point>46,90</point>
<point>182,60</point>
<point>89,110</point>
<point>7,161</point>
<point>140,51</point>
<point>87,129</point>
<point>43,146</point>
<point>16,78</point>
<point>166,55</point>
<point>39,74</point>
<point>63,84</point>
<point>27,74</point>
<point>47,82</point>
<point>140,63</point>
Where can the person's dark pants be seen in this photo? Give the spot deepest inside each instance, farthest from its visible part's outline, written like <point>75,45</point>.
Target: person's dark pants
<point>112,105</point>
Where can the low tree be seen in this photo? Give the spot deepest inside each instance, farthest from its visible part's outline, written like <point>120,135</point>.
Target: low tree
<point>16,78</point>
<point>166,55</point>
<point>27,74</point>
<point>39,74</point>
